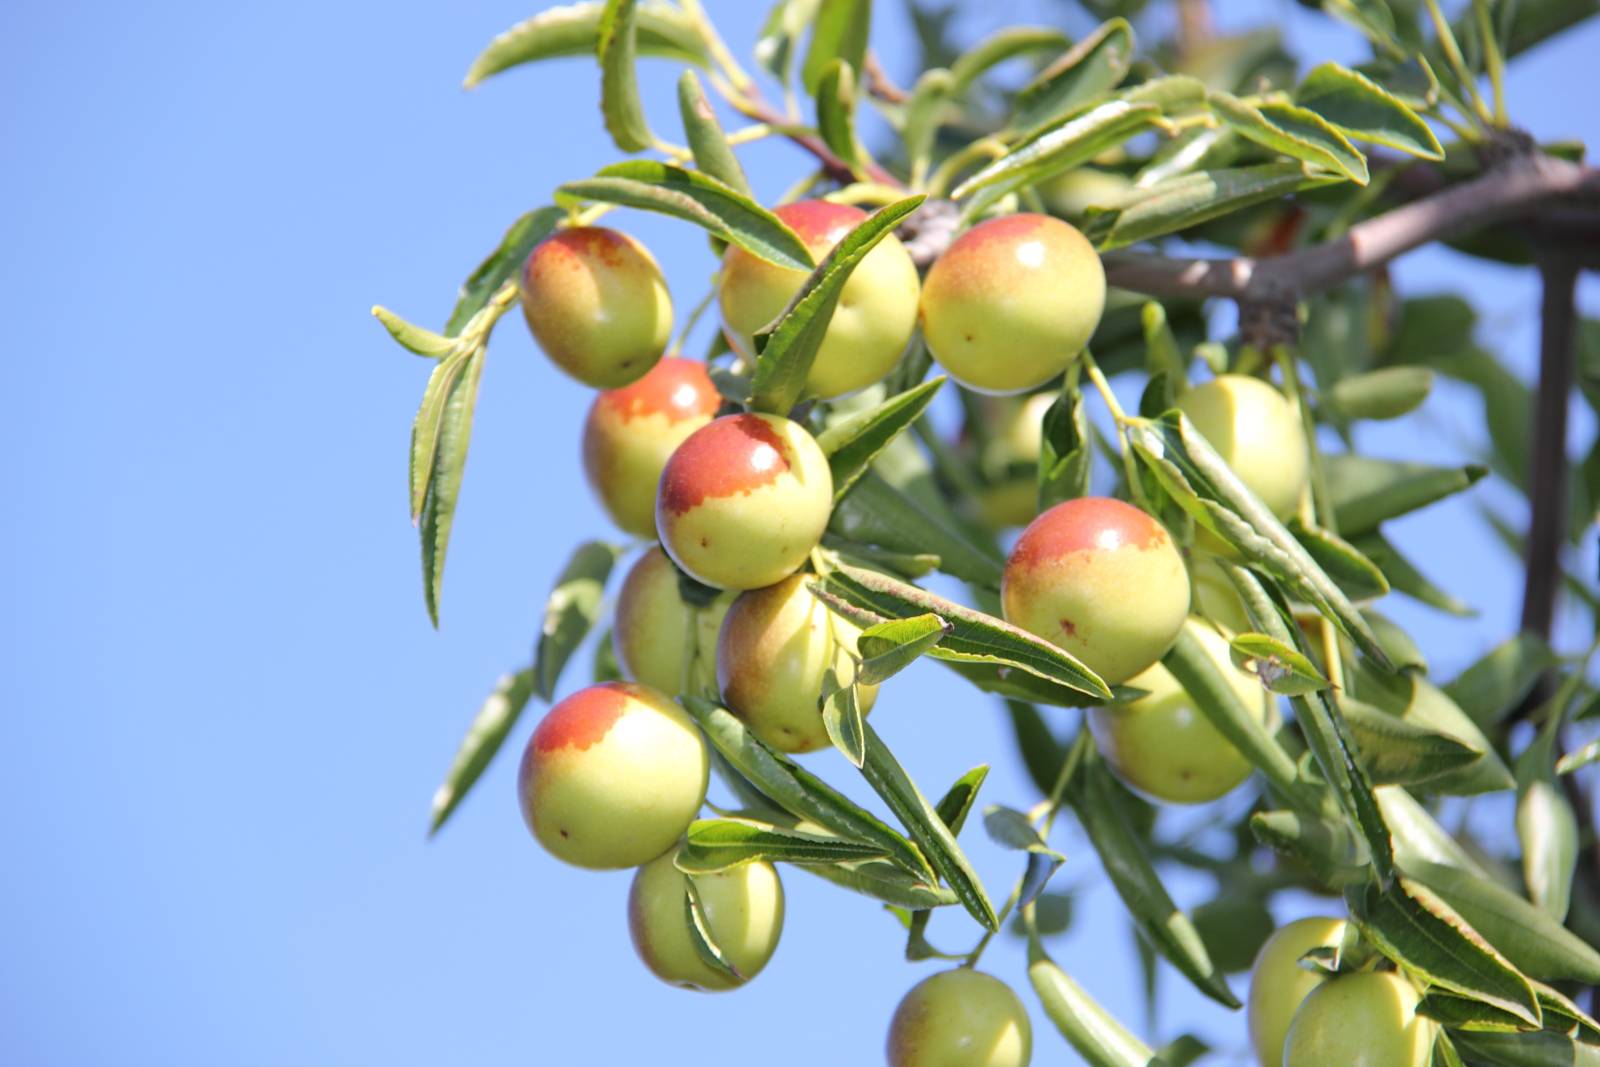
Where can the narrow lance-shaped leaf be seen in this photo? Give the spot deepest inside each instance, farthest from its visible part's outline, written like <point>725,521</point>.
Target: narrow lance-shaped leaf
<point>1060,148</point>
<point>843,719</point>
<point>574,30</point>
<point>852,443</point>
<point>876,513</point>
<point>786,23</point>
<point>886,882</point>
<point>952,810</point>
<point>1011,828</point>
<point>571,611</point>
<point>484,738</point>
<point>1545,1049</point>
<point>443,488</point>
<point>1368,491</point>
<point>1296,132</point>
<point>924,113</point>
<point>425,429</point>
<point>1008,43</point>
<point>840,31</point>
<point>719,209</point>
<point>1095,65</point>
<point>617,49</point>
<point>712,153</point>
<point>887,648</point>
<point>1066,449</point>
<point>1092,1031</point>
<point>701,934</point>
<point>1162,355</point>
<point>836,114</point>
<point>1281,669</point>
<point>1187,200</point>
<point>718,844</point>
<point>1547,827</point>
<point>1366,111</point>
<point>1399,752</point>
<point>789,344</point>
<point>413,338</point>
<point>501,265</point>
<point>1359,577</point>
<point>884,773</point>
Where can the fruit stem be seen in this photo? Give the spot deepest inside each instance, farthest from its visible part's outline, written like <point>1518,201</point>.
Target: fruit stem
<point>1104,388</point>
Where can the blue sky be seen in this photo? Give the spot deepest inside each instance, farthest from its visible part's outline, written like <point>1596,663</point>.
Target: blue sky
<point>225,710</point>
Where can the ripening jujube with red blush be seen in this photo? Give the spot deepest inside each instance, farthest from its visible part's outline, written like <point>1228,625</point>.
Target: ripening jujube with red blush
<point>743,907</point>
<point>1163,745</point>
<point>876,313</point>
<point>631,432</point>
<point>776,646</point>
<point>744,500</point>
<point>1257,432</point>
<point>612,776</point>
<point>597,304</point>
<point>1011,302</point>
<point>960,1018</point>
<point>1101,580</point>
<point>660,638</point>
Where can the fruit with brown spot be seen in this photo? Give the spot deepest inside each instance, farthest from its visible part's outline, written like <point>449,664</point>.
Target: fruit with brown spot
<point>612,776</point>
<point>960,1018</point>
<point>743,908</point>
<point>1101,580</point>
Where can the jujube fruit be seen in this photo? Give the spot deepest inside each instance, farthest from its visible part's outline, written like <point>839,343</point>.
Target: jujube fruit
<point>1278,983</point>
<point>776,646</point>
<point>960,1018</point>
<point>1360,1020</point>
<point>1100,579</point>
<point>876,313</point>
<point>1012,302</point>
<point>612,776</point>
<point>659,638</point>
<point>1162,745</point>
<point>631,432</point>
<point>597,304</point>
<point>744,500</point>
<point>1072,193</point>
<point>743,907</point>
<point>1256,431</point>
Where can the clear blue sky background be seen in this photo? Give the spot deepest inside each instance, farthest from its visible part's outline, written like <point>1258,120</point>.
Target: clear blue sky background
<point>224,710</point>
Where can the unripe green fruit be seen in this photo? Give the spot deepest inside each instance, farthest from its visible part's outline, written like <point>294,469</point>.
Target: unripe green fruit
<point>1076,191</point>
<point>657,635</point>
<point>744,500</point>
<point>1100,579</point>
<point>1011,302</point>
<point>1162,745</point>
<point>776,646</point>
<point>1012,498</point>
<point>632,431</point>
<point>597,305</point>
<point>743,907</point>
<point>612,776</point>
<point>877,309</point>
<point>1256,431</point>
<point>1214,596</point>
<point>1279,984</point>
<point>960,1018</point>
<point>1360,1020</point>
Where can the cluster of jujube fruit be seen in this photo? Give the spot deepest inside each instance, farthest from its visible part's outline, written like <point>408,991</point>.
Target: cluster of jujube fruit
<point>723,607</point>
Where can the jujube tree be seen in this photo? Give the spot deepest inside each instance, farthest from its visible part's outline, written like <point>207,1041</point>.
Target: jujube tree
<point>916,354</point>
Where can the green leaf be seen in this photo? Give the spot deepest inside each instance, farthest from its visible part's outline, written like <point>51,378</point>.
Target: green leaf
<point>1548,830</point>
<point>924,113</point>
<point>429,422</point>
<point>998,47</point>
<point>852,443</point>
<point>718,844</point>
<point>789,345</point>
<point>700,932</point>
<point>1095,65</point>
<point>1524,934</point>
<point>501,265</point>
<point>1092,1031</point>
<point>1398,752</point>
<point>1579,758</point>
<point>875,512</point>
<point>887,648</point>
<point>574,30</point>
<point>840,31</point>
<point>1368,491</point>
<point>1011,829</point>
<point>797,790</point>
<point>1058,149</point>
<point>1381,394</point>
<point>722,211</point>
<point>484,737</point>
<point>786,23</point>
<point>973,636</point>
<point>605,668</point>
<point>1163,926</point>
<point>620,105</point>
<point>932,836</point>
<point>1351,571</point>
<point>1422,704</point>
<point>957,801</point>
<point>1365,111</point>
<point>414,338</point>
<point>441,487</point>
<point>1296,132</point>
<point>1162,356</point>
<point>571,611</point>
<point>1332,851</point>
<point>1190,199</point>
<point>712,153</point>
<point>1544,1049</point>
<point>1419,839</point>
<point>1281,669</point>
<point>1066,450</point>
<point>1376,19</point>
<point>836,114</point>
<point>1414,927</point>
<point>884,881</point>
<point>843,719</point>
<point>1496,685</point>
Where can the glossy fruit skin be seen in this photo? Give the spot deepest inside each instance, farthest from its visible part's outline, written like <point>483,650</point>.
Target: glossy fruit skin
<point>1360,1020</point>
<point>1214,596</point>
<point>657,635</point>
<point>631,432</point>
<point>1074,192</point>
<point>743,906</point>
<point>1257,432</point>
<point>1011,302</point>
<point>1012,498</point>
<point>744,500</point>
<point>1278,984</point>
<point>776,646</point>
<point>612,776</point>
<point>960,1018</point>
<point>877,309</point>
<point>1100,579</point>
<point>597,304</point>
<point>1164,746</point>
